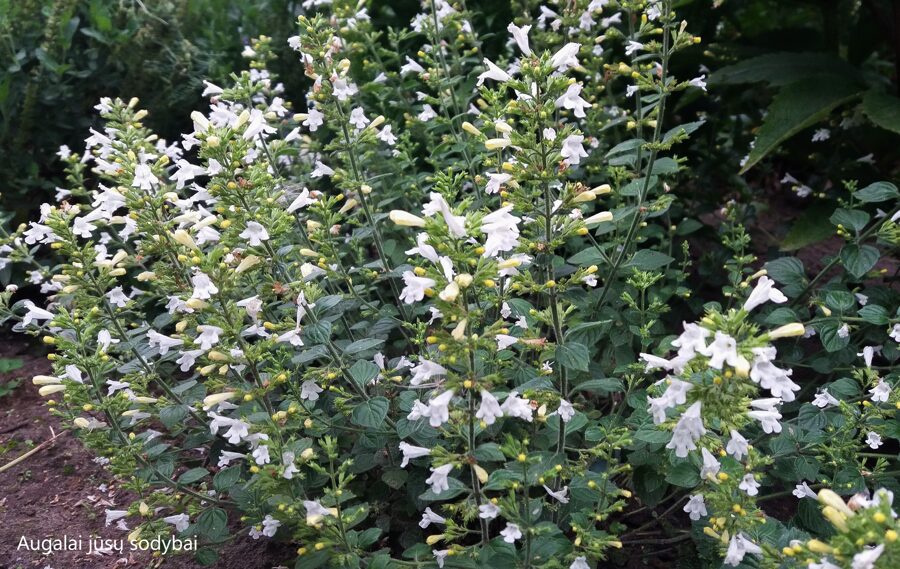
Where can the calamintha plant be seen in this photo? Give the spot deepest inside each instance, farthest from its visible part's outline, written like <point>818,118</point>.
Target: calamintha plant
<point>426,321</point>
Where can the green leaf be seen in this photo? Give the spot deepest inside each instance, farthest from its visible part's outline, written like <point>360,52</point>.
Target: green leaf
<point>649,485</point>
<point>172,415</point>
<point>226,478</point>
<point>883,110</point>
<point>213,524</point>
<point>685,475</point>
<point>796,107</point>
<point>850,218</point>
<point>603,386</point>
<point>192,475</point>
<point>363,371</point>
<point>648,260</point>
<point>10,364</point>
<point>859,260</point>
<point>363,345</point>
<point>573,356</point>
<point>783,68</point>
<point>787,271</point>
<point>840,300</point>
<point>371,413</point>
<point>874,314</point>
<point>831,339</point>
<point>877,192</point>
<point>808,228</point>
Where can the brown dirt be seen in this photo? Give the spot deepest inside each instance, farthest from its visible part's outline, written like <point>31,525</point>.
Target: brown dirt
<point>55,492</point>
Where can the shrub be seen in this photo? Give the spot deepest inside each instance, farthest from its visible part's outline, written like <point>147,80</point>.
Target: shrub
<point>407,328</point>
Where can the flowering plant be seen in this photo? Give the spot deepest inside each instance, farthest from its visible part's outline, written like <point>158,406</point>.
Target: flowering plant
<point>400,329</point>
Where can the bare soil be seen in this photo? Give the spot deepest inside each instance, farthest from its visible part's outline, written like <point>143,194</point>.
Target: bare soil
<point>60,490</point>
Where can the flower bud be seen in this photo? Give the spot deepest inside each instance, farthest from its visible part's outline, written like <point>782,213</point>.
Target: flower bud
<point>184,238</point>
<point>787,331</point>
<point>471,129</point>
<point>81,423</point>
<point>830,498</point>
<point>480,473</point>
<point>459,332</point>
<point>146,276</point>
<point>145,400</point>
<point>246,263</point>
<point>51,389</point>
<point>598,218</point>
<point>406,219</point>
<point>496,143</point>
<point>837,519</point>
<point>450,293</point>
<point>45,380</point>
<point>217,398</point>
<point>583,197</point>
<point>463,280</point>
<point>196,304</point>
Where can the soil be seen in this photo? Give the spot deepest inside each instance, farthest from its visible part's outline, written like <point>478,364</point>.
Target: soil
<point>60,491</point>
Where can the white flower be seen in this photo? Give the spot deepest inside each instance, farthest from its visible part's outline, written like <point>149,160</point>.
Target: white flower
<point>699,82</point>
<point>710,465</point>
<point>895,333</point>
<point>117,297</point>
<point>687,431</point>
<point>180,521</point>
<point>739,547</point>
<point>571,99</point>
<point>261,455</point>
<point>489,410</point>
<point>387,136</point>
<point>504,341</point>
<point>549,134</point>
<point>749,485</point>
<point>358,118</point>
<point>310,390</point>
<point>866,559</point>
<point>144,178</point>
<point>873,439</point>
<point>572,150</point>
<point>208,337</point>
<point>410,452</point>
<point>438,409</point>
<point>492,72</point>
<point>203,286</point>
<point>675,394</point>
<point>165,343</point>
<point>427,113</point>
<point>255,234</point>
<point>843,331</point>
<point>511,533</point>
<point>764,291</point>
<point>766,414</point>
<point>415,287</point>
<point>411,66</point>
<point>821,135</point>
<point>320,170</point>
<point>496,181</point>
<point>314,119</point>
<point>566,411</point>
<point>438,478</point>
<point>34,313</point>
<point>343,90</point>
<point>632,47</point>
<point>737,446</point>
<point>520,35</point>
<point>868,354</point>
<point>771,377</point>
<point>722,350</point>
<point>515,406</point>
<point>456,224</point>
<point>429,517</point>
<point>290,469</point>
<point>115,515</point>
<point>502,232</point>
<point>225,458</point>
<point>561,495</point>
<point>566,57</point>
<point>424,371</point>
<point>696,507</point>
<point>803,490</point>
<point>824,399</point>
<point>488,511</point>
<point>881,392</point>
<point>580,563</point>
<point>316,512</point>
<point>423,248</point>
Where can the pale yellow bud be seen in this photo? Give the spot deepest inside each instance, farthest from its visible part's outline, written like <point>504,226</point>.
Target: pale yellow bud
<point>51,389</point>
<point>450,293</point>
<point>406,219</point>
<point>598,218</point>
<point>217,398</point>
<point>45,380</point>
<point>246,263</point>
<point>184,238</point>
<point>496,143</point>
<point>787,331</point>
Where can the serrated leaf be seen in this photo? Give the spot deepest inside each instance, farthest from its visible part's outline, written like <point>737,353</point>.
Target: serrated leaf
<point>212,524</point>
<point>226,478</point>
<point>371,413</point>
<point>877,192</point>
<point>796,107</point>
<point>648,260</point>
<point>782,68</point>
<point>883,110</point>
<point>874,314</point>
<point>363,371</point>
<point>787,271</point>
<point>573,356</point>
<point>859,260</point>
<point>603,386</point>
<point>192,475</point>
